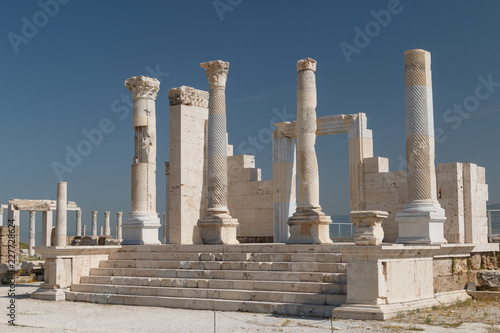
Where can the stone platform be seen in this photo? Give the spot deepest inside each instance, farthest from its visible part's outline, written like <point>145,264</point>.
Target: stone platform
<point>269,278</point>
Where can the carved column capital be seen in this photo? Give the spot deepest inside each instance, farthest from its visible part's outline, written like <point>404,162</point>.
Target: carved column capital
<point>143,87</point>
<point>216,72</point>
<point>306,64</point>
<point>188,96</point>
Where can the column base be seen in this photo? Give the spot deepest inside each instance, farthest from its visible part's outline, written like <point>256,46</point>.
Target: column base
<point>309,225</point>
<point>218,228</point>
<point>141,229</point>
<point>368,227</point>
<point>49,294</point>
<point>421,223</point>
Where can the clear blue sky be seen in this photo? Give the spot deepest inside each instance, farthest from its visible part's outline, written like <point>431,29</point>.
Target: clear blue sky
<point>66,75</point>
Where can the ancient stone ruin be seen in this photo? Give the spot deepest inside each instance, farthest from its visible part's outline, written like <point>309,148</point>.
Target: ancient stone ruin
<point>237,242</point>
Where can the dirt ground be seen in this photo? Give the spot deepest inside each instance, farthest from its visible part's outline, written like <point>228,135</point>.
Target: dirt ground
<point>43,316</point>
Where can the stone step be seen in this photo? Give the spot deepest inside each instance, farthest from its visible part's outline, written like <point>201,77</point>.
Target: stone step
<point>203,293</point>
<point>204,304</point>
<point>216,256</point>
<point>298,287</point>
<point>239,248</point>
<point>228,265</point>
<point>223,274</point>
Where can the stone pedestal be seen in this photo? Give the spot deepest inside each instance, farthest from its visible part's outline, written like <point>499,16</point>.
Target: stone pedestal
<point>422,221</point>
<point>217,226</point>
<point>308,224</point>
<point>368,227</point>
<point>143,222</point>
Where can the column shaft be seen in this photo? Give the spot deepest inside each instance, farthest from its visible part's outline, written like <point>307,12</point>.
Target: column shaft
<point>107,227</point>
<point>61,214</point>
<point>119,225</point>
<point>78,214</point>
<point>31,245</point>
<point>46,227</point>
<point>94,223</point>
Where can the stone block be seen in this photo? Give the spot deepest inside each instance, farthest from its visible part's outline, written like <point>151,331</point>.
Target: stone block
<point>376,164</point>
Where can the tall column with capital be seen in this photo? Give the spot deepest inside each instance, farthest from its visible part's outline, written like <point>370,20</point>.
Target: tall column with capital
<point>94,223</point>
<point>217,226</point>
<point>422,220</point>
<point>78,214</point>
<point>308,224</point>
<point>31,244</point>
<point>143,222</point>
<point>62,214</point>
<point>107,226</point>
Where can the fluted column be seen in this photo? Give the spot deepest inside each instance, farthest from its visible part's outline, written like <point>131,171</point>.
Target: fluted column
<point>422,220</point>
<point>31,244</point>
<point>143,222</point>
<point>308,224</point>
<point>107,227</point>
<point>78,214</point>
<point>62,214</point>
<point>217,226</point>
<point>94,223</point>
<point>119,225</point>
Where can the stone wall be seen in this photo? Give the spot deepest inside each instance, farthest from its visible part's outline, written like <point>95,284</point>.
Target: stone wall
<point>462,192</point>
<point>4,244</point>
<point>250,200</point>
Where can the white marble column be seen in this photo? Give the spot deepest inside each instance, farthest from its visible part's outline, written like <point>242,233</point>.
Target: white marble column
<point>1,215</point>
<point>61,214</point>
<point>143,222</point>
<point>78,214</point>
<point>167,201</point>
<point>102,231</point>
<point>119,225</point>
<point>284,183</point>
<point>84,230</point>
<point>46,228</point>
<point>308,224</point>
<point>94,223</point>
<point>217,226</point>
<point>422,220</point>
<point>107,226</point>
<point>31,244</point>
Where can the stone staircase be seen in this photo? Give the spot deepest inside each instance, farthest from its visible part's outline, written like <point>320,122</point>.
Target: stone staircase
<point>272,278</point>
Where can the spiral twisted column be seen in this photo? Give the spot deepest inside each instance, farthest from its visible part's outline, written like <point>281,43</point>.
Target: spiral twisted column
<point>308,224</point>
<point>143,222</point>
<point>421,222</point>
<point>217,226</point>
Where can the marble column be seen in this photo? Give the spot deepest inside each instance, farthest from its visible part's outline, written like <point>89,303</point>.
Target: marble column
<point>119,225</point>
<point>84,230</point>
<point>107,226</point>
<point>143,222</point>
<point>217,226</point>
<point>94,223</point>
<point>46,227</point>
<point>102,231</point>
<point>284,183</point>
<point>31,244</point>
<point>422,220</point>
<point>78,214</point>
<point>62,214</point>
<point>308,224</point>
<point>167,201</point>
<point>1,215</point>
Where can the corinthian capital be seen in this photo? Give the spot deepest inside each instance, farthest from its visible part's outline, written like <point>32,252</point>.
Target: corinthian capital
<point>143,87</point>
<point>306,64</point>
<point>216,72</point>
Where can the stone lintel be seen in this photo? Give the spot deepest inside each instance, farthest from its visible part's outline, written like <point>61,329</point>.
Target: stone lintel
<point>38,205</point>
<point>326,125</point>
<point>188,96</point>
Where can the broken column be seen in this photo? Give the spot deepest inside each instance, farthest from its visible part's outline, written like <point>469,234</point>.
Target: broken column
<point>107,228</point>
<point>94,223</point>
<point>46,227</point>
<point>31,244</point>
<point>61,214</point>
<point>308,224</point>
<point>217,226</point>
<point>78,214</point>
<point>143,222</point>
<point>422,220</point>
<point>84,230</point>
<point>119,225</point>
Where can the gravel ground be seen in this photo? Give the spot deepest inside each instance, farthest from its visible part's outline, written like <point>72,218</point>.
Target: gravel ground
<point>43,316</point>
